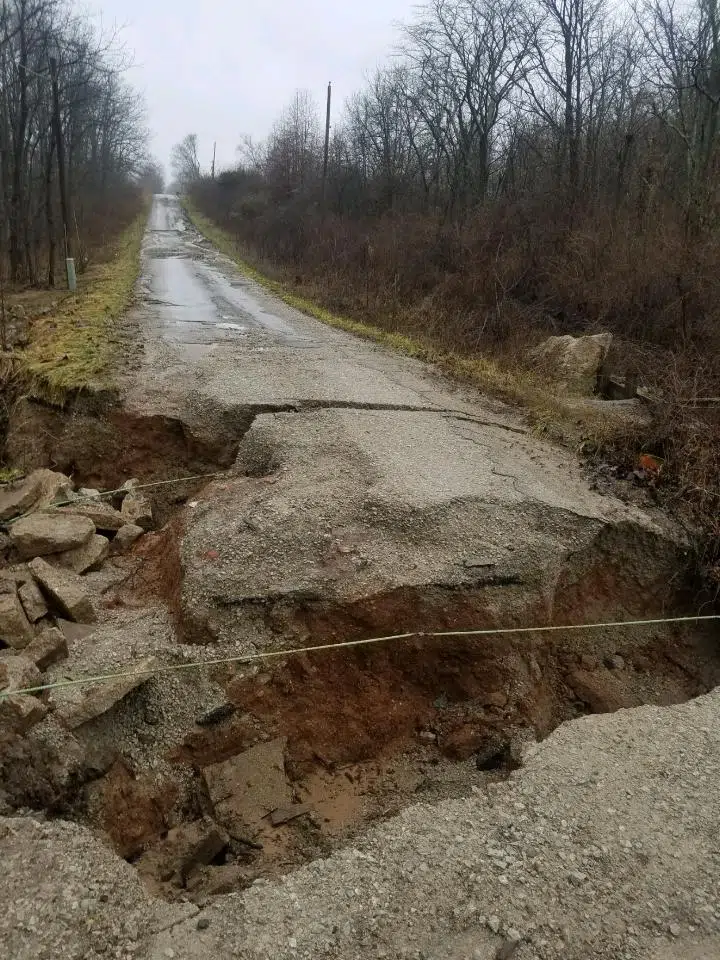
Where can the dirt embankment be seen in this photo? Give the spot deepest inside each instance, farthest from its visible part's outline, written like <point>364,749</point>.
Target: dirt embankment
<point>362,732</point>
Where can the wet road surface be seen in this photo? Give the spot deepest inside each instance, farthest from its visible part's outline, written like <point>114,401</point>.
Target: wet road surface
<point>214,338</point>
<point>196,304</point>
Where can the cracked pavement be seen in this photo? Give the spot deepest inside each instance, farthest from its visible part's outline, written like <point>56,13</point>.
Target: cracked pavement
<point>385,476</point>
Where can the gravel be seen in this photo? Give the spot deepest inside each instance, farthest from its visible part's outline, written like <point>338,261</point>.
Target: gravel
<point>604,845</point>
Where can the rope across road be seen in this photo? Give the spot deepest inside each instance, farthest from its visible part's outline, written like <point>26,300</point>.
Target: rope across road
<point>347,644</point>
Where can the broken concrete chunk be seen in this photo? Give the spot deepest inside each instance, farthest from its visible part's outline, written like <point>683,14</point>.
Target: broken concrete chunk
<point>286,814</point>
<point>4,676</point>
<point>65,589</point>
<point>246,788</point>
<point>15,628</point>
<point>87,557</point>
<point>89,493</point>
<point>41,534</point>
<point>105,517</point>
<point>37,490</point>
<point>126,537</point>
<point>137,509</point>
<point>32,600</point>
<point>49,647</point>
<point>102,697</point>
<point>19,712</point>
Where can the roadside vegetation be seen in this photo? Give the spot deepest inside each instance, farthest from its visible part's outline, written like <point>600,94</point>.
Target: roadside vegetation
<point>75,180</point>
<point>564,418</point>
<point>73,345</point>
<point>523,168</point>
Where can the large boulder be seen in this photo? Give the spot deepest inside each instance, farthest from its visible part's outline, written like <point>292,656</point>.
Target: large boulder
<point>574,361</point>
<point>41,534</point>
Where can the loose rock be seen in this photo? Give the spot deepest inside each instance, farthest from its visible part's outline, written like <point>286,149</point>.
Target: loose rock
<point>32,601</point>
<point>65,589</point>
<point>20,712</point>
<point>87,557</point>
<point>21,672</point>
<point>15,628</point>
<point>41,534</point>
<point>49,647</point>
<point>105,518</point>
<point>101,698</point>
<point>126,537</point>
<point>37,490</point>
<point>248,787</point>
<point>74,632</point>
<point>136,508</point>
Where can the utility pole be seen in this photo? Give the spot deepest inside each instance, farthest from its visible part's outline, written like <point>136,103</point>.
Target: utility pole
<point>213,163</point>
<point>57,126</point>
<point>327,144</point>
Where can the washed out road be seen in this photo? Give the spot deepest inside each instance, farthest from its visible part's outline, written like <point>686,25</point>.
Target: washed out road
<point>386,476</point>
<point>365,494</point>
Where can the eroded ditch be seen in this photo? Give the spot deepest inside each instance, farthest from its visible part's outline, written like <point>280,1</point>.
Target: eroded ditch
<point>336,739</point>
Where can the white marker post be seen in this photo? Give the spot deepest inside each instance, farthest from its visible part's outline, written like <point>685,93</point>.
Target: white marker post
<point>71,278</point>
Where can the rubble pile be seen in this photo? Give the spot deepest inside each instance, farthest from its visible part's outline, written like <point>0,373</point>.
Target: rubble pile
<point>52,536</point>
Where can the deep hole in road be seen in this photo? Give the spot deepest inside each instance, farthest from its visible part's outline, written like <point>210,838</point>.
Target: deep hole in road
<point>328,742</point>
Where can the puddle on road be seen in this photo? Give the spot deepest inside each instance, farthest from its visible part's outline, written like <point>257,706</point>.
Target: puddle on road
<point>231,326</point>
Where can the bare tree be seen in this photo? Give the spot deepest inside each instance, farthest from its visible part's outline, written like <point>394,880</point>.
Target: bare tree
<point>184,161</point>
<point>293,158</point>
<point>468,57</point>
<point>683,70</point>
<point>101,130</point>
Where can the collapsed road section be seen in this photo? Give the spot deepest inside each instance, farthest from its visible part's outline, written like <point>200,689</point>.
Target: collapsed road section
<point>336,492</point>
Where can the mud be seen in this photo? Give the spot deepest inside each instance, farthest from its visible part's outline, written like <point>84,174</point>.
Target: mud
<point>369,730</point>
<point>100,444</point>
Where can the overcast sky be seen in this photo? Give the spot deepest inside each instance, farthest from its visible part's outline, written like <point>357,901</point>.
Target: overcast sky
<point>221,68</point>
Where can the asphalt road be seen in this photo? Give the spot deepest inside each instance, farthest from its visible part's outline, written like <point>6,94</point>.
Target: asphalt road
<point>196,304</point>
